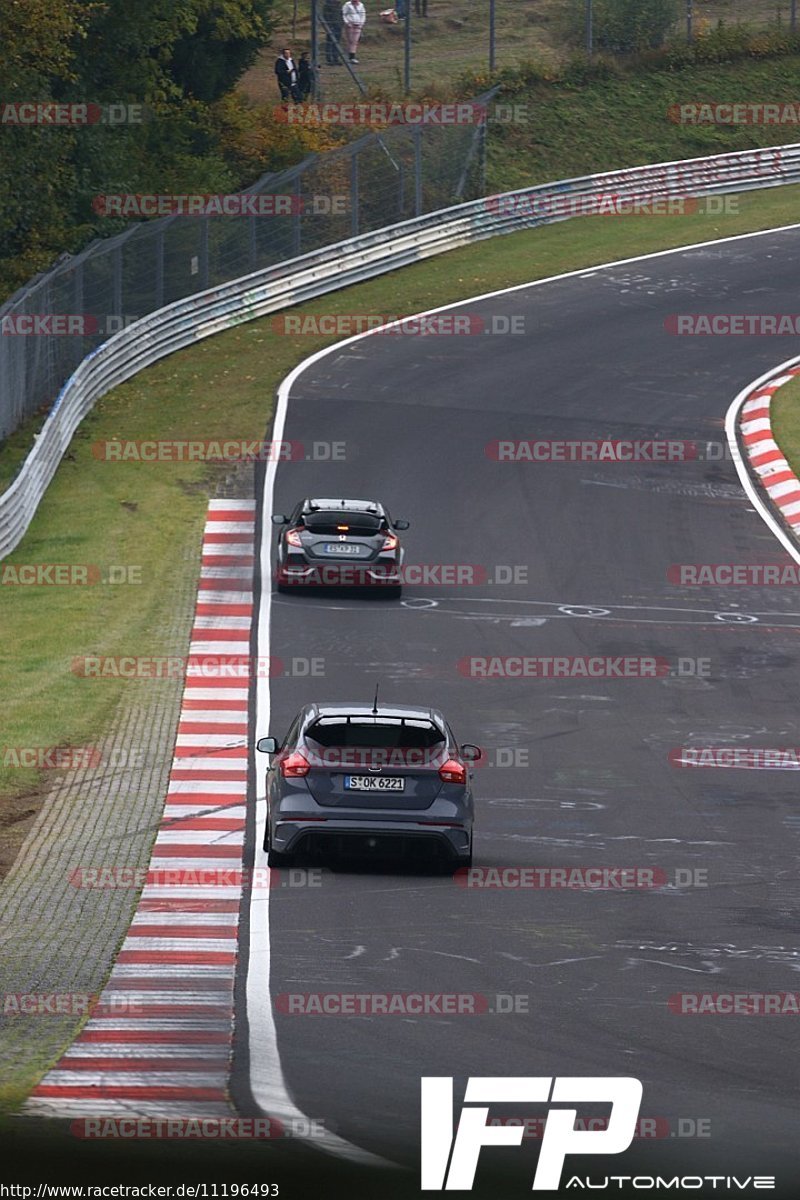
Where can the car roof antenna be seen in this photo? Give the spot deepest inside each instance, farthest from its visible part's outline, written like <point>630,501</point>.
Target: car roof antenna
<point>375,702</point>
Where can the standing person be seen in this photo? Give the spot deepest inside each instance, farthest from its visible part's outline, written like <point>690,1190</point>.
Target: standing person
<point>305,77</point>
<point>354,16</point>
<point>286,72</point>
<point>332,15</point>
<point>400,8</point>
<point>421,8</point>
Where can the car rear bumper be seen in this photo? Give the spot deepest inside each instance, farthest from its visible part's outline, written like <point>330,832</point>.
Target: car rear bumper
<point>407,839</point>
<point>338,575</point>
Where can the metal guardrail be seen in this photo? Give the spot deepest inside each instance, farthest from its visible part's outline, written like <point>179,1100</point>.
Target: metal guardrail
<point>186,321</point>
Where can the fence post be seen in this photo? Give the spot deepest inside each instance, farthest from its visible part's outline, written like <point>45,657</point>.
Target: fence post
<point>492,35</point>
<point>689,21</point>
<point>407,50</point>
<point>417,170</point>
<point>160,267</point>
<point>78,279</point>
<point>117,269</point>
<point>354,194</point>
<point>589,29</point>
<point>793,16</point>
<point>314,49</point>
<point>252,240</point>
<point>297,228</point>
<point>204,254</point>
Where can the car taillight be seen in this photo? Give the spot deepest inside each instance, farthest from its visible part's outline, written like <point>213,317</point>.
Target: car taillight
<point>390,541</point>
<point>294,765</point>
<point>453,772</point>
<point>293,537</point>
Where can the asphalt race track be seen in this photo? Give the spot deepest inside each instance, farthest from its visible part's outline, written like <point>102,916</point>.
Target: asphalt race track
<point>596,968</point>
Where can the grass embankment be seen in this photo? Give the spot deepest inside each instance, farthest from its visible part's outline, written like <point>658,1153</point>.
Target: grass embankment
<point>455,37</point>
<point>786,419</point>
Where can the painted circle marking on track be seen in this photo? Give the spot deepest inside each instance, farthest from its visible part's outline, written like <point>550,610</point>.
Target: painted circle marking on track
<point>422,602</point>
<point>735,618</point>
<point>583,610</point>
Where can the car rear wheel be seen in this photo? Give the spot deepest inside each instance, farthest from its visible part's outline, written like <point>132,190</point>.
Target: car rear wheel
<point>464,861</point>
<point>276,859</point>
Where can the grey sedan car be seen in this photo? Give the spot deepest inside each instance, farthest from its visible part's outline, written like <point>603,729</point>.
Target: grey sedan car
<point>372,781</point>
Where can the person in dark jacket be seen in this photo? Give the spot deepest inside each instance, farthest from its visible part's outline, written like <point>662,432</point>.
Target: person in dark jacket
<point>421,8</point>
<point>286,72</point>
<point>332,14</point>
<point>305,77</point>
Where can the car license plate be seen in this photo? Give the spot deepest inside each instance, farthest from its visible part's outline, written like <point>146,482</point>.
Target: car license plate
<point>374,783</point>
<point>342,548</point>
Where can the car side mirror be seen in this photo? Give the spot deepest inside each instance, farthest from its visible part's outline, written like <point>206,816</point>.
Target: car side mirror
<point>471,753</point>
<point>267,745</point>
<point>279,519</point>
<point>402,524</point>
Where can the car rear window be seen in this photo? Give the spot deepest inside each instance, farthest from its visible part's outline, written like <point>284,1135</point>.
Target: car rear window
<point>329,522</point>
<point>383,734</point>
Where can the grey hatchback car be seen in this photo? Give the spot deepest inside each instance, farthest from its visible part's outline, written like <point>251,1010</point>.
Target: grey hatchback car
<point>372,781</point>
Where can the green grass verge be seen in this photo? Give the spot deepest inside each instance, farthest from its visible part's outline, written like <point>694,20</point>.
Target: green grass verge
<point>623,120</point>
<point>150,515</point>
<point>785,413</point>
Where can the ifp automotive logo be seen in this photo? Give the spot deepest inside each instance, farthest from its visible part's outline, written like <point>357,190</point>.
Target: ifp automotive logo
<point>560,1139</point>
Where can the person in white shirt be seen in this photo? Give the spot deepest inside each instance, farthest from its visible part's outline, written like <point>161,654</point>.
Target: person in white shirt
<point>354,16</point>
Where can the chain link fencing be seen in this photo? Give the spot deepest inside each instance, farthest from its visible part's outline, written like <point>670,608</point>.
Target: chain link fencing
<point>51,324</point>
